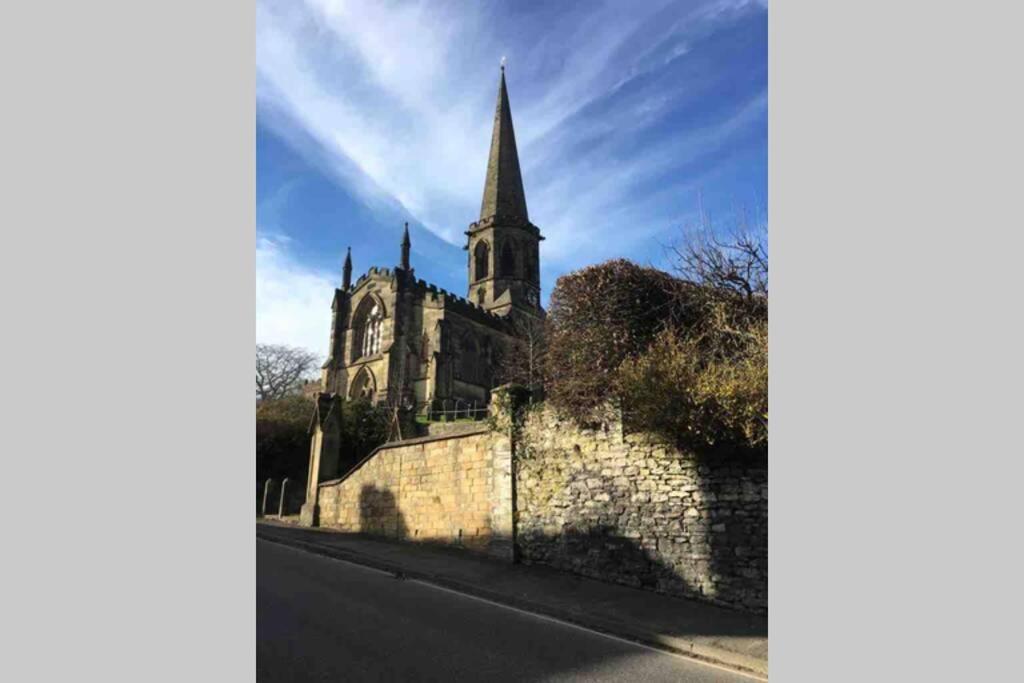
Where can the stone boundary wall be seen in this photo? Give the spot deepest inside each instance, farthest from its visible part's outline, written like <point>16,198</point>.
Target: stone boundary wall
<point>636,511</point>
<point>597,502</point>
<point>454,490</point>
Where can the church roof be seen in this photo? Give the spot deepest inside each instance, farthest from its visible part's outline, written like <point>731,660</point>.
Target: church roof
<point>503,186</point>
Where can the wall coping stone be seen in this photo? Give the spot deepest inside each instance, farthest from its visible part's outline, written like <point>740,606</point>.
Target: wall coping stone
<point>405,442</point>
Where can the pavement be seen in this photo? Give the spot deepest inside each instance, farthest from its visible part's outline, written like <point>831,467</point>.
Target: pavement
<point>698,630</point>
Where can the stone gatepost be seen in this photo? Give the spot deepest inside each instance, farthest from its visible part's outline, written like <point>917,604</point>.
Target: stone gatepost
<point>324,452</point>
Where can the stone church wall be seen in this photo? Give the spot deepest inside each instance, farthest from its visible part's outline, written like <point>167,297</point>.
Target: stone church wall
<point>635,511</point>
<point>454,490</point>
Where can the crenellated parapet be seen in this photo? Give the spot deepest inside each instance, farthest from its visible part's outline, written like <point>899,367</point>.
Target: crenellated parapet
<point>375,273</point>
<point>441,298</point>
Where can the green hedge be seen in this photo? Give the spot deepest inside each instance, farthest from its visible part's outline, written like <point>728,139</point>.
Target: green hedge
<point>282,436</point>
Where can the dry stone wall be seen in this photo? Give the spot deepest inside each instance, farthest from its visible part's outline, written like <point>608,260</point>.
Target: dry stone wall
<point>453,489</point>
<point>630,509</point>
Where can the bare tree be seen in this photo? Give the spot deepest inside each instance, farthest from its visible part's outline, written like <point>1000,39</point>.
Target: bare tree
<point>523,360</point>
<point>281,370</point>
<point>735,259</point>
<point>721,300</point>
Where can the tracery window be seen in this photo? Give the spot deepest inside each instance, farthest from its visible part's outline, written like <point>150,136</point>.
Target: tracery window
<point>372,333</point>
<point>369,329</point>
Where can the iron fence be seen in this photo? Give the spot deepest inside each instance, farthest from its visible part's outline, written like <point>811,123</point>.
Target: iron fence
<point>449,411</point>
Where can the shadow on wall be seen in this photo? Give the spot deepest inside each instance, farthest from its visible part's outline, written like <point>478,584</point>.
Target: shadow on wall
<point>731,481</point>
<point>695,526</point>
<point>379,514</point>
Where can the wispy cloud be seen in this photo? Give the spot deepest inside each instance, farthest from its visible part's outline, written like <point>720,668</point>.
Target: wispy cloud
<point>292,300</point>
<point>622,110</point>
<point>403,93</point>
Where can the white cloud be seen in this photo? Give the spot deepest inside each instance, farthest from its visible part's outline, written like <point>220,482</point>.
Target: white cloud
<point>401,95</point>
<point>293,303</point>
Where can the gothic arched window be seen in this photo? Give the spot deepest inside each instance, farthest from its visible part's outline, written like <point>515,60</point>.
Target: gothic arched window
<point>364,385</point>
<point>369,328</point>
<point>469,360</point>
<point>508,261</point>
<point>481,257</point>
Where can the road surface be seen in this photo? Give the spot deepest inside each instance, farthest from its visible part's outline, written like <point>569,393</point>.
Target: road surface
<point>320,619</point>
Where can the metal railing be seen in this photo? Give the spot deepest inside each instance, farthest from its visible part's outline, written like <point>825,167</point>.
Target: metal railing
<point>450,411</point>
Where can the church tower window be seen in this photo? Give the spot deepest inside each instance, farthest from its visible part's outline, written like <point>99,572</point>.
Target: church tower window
<point>508,261</point>
<point>482,254</point>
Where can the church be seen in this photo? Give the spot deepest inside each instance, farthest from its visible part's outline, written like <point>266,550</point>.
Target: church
<point>399,339</point>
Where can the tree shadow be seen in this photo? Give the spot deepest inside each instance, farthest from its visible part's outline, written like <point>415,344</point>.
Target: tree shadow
<point>379,514</point>
<point>698,529</point>
<point>733,482</point>
<point>663,595</point>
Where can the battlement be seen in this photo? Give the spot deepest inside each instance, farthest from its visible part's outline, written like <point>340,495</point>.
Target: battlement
<point>434,294</point>
<point>374,271</point>
<point>454,302</point>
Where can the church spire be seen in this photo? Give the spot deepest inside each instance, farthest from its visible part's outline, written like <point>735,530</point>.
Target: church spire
<point>406,244</point>
<point>503,186</point>
<point>347,271</point>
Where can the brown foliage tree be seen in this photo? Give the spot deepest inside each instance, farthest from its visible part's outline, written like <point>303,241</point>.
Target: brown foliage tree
<point>599,316</point>
<point>704,381</point>
<point>678,389</point>
<point>686,357</point>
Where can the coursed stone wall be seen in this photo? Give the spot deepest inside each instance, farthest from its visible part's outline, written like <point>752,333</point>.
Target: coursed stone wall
<point>636,511</point>
<point>453,490</point>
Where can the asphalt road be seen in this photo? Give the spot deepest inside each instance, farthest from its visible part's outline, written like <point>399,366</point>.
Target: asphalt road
<point>320,619</point>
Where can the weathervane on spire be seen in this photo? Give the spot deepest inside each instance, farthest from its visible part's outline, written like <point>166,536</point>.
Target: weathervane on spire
<point>503,63</point>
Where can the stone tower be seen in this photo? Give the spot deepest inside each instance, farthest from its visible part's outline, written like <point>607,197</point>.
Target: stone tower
<point>504,246</point>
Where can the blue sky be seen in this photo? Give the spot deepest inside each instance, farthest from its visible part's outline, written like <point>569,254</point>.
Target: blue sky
<point>370,114</point>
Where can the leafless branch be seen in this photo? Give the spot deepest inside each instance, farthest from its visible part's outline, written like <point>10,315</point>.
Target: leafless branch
<point>281,370</point>
<point>523,361</point>
<point>735,259</point>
